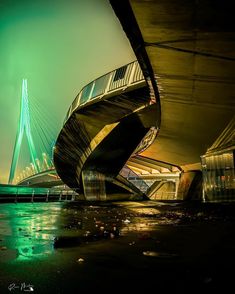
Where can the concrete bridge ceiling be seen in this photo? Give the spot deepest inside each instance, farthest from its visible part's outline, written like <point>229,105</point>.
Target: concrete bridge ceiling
<point>191,47</point>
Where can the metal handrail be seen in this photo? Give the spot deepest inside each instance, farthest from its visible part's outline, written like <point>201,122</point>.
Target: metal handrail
<point>134,178</point>
<point>163,195</point>
<point>113,81</point>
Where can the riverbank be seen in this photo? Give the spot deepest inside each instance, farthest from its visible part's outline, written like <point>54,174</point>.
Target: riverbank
<point>136,246</point>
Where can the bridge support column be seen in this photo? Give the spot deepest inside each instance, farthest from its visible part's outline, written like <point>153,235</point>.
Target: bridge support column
<point>190,185</point>
<point>93,185</point>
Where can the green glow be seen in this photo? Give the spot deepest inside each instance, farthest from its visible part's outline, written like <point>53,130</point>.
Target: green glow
<point>22,190</point>
<point>31,229</point>
<point>60,46</point>
<point>24,125</point>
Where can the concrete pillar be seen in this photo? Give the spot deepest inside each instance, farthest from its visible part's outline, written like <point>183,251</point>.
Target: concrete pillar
<point>190,185</point>
<point>93,185</point>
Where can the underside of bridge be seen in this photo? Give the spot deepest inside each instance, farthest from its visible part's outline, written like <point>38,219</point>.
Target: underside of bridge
<point>190,48</point>
<point>186,52</point>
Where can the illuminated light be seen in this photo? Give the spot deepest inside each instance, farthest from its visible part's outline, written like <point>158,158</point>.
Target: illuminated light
<point>38,164</point>
<point>53,176</point>
<point>23,126</point>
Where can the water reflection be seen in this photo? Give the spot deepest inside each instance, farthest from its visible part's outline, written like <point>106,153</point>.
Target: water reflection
<point>36,230</point>
<point>29,229</point>
<point>32,231</point>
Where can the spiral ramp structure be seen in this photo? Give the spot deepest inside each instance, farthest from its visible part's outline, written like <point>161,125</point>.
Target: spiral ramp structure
<point>112,118</point>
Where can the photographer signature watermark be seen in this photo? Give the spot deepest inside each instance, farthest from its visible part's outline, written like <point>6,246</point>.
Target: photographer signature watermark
<point>22,287</point>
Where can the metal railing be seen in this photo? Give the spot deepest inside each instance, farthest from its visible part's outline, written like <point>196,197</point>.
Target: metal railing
<point>136,180</point>
<point>164,196</point>
<point>33,194</point>
<point>111,82</point>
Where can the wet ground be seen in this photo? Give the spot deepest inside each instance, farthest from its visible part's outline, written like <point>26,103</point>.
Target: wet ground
<point>130,247</point>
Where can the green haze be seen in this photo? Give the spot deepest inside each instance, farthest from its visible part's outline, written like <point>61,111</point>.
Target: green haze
<point>58,46</point>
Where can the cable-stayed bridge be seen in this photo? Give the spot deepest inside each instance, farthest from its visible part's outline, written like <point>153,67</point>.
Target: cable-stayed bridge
<point>37,126</point>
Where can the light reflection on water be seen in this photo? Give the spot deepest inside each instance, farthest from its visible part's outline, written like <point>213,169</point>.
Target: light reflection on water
<point>35,230</point>
<point>147,219</point>
<point>28,230</point>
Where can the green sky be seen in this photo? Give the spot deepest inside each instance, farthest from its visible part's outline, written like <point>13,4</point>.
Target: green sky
<point>59,46</point>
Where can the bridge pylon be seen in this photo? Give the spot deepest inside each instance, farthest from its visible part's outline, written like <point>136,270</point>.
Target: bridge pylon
<point>23,126</point>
